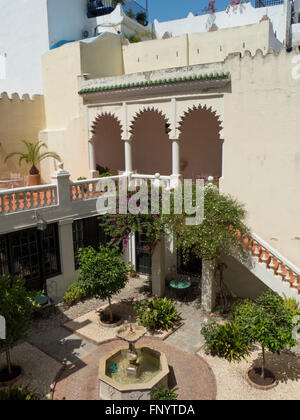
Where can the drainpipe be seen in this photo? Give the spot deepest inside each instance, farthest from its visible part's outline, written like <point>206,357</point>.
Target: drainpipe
<point>288,22</point>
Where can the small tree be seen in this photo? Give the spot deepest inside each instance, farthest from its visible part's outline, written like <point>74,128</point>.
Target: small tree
<point>271,325</point>
<point>221,233</point>
<point>16,306</point>
<point>102,274</point>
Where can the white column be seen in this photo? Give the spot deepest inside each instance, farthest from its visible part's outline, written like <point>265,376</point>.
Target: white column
<point>57,287</point>
<point>128,155</point>
<point>175,157</point>
<point>92,158</point>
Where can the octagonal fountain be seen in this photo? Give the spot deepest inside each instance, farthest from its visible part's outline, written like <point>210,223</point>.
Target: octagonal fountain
<point>130,373</point>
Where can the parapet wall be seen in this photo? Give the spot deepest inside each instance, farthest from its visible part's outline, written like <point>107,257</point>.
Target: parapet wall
<point>20,118</point>
<point>199,48</point>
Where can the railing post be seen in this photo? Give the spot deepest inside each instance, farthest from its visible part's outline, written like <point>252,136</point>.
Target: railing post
<point>62,179</point>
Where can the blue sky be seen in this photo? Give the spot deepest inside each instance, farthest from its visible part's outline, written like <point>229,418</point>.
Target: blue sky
<point>176,9</point>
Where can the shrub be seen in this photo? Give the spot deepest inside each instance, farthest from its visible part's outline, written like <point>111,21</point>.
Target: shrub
<point>242,313</point>
<point>73,294</point>
<point>102,274</point>
<point>17,305</point>
<point>157,314</point>
<point>292,305</point>
<point>18,394</point>
<point>226,341</point>
<point>163,394</point>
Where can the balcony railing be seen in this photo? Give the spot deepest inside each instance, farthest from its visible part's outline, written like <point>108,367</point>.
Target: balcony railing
<point>29,198</point>
<point>266,3</point>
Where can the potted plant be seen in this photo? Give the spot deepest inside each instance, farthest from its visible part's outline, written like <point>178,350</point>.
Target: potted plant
<point>102,274</point>
<point>131,270</point>
<point>142,18</point>
<point>16,306</point>
<point>33,156</point>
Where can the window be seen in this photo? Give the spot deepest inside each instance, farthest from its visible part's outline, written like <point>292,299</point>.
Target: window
<point>88,232</point>
<point>143,254</point>
<point>32,254</point>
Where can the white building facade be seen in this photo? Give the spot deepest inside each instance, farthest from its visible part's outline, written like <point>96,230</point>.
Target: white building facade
<point>29,28</point>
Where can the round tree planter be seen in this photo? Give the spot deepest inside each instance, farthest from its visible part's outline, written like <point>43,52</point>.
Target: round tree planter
<point>13,380</point>
<point>255,372</point>
<point>117,320</point>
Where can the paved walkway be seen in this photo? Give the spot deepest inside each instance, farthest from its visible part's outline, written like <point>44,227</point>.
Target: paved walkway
<point>192,375</point>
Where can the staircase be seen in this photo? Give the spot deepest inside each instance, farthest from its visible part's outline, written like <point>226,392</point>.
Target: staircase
<point>274,270</point>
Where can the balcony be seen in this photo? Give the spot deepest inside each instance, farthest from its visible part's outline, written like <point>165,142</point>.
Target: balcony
<point>131,8</point>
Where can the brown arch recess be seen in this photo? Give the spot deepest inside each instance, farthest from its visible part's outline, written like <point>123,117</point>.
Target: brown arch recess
<point>151,146</point>
<point>109,147</point>
<point>200,144</point>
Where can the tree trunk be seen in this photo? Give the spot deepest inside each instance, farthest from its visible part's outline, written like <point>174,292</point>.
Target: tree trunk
<point>8,361</point>
<point>263,363</point>
<point>208,298</point>
<point>110,310</point>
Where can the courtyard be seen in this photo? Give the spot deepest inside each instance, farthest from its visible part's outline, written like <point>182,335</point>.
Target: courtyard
<point>61,354</point>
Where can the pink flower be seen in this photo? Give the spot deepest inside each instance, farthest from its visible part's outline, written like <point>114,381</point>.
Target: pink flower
<point>148,309</point>
<point>134,299</point>
<point>212,314</point>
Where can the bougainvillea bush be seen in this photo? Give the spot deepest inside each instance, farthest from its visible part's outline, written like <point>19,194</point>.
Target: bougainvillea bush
<point>120,226</point>
<point>221,231</point>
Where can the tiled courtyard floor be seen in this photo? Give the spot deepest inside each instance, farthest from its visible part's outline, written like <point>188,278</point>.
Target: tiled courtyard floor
<point>192,375</point>
<point>39,370</point>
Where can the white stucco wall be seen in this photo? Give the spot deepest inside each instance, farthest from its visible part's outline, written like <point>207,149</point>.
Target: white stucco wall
<point>296,34</point>
<point>115,21</point>
<point>66,19</point>
<point>297,11</point>
<point>244,14</point>
<point>23,40</point>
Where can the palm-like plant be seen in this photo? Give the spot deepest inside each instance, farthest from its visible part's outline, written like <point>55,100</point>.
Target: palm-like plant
<point>33,155</point>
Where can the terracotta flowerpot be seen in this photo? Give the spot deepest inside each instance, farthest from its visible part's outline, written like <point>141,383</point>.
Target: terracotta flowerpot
<point>34,180</point>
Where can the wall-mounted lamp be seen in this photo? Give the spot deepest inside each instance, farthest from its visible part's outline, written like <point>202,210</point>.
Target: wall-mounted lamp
<point>41,224</point>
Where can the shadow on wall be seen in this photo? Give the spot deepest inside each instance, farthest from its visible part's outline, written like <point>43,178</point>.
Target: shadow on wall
<point>108,143</point>
<point>151,148</point>
<point>241,281</point>
<point>200,144</point>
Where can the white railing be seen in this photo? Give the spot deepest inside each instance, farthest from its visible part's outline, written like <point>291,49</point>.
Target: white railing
<point>88,189</point>
<point>274,261</point>
<point>27,198</point>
